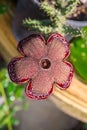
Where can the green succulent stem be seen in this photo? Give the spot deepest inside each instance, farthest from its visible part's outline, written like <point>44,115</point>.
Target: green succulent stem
<point>6,103</point>
<point>71,7</point>
<point>57,12</point>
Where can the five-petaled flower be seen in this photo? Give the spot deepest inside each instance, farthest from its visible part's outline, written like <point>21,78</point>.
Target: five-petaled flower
<point>42,65</point>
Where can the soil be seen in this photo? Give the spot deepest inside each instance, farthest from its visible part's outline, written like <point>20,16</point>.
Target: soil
<point>80,14</point>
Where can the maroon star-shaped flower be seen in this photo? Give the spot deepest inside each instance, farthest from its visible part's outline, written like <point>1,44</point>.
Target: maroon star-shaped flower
<point>42,65</point>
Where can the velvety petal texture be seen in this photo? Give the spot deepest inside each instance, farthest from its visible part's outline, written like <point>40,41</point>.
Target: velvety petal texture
<point>62,73</point>
<point>58,48</point>
<point>41,86</point>
<point>22,69</point>
<point>43,65</point>
<point>33,46</point>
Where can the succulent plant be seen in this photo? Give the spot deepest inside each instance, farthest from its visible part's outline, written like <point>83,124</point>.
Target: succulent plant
<point>56,12</point>
<point>79,54</point>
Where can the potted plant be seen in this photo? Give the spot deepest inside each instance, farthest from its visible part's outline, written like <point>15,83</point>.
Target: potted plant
<point>39,12</point>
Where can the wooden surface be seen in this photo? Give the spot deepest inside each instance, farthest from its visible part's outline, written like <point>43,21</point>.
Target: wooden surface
<point>8,42</point>
<point>73,101</point>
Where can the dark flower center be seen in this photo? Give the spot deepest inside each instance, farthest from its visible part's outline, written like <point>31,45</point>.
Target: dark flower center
<point>45,63</point>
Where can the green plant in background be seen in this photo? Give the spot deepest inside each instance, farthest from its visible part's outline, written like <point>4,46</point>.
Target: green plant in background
<point>79,54</point>
<point>57,12</point>
<point>3,8</point>
<point>7,6</point>
<point>9,93</point>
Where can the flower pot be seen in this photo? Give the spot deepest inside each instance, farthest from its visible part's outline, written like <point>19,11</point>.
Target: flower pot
<point>76,24</point>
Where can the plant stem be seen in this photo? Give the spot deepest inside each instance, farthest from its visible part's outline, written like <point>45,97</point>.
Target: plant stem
<point>6,103</point>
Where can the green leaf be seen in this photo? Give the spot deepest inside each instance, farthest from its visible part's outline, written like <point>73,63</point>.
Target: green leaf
<point>85,126</point>
<point>2,74</point>
<point>5,120</point>
<point>72,31</point>
<point>79,56</point>
<point>84,30</point>
<point>11,88</point>
<point>13,92</point>
<point>19,92</point>
<point>15,121</point>
<point>3,9</point>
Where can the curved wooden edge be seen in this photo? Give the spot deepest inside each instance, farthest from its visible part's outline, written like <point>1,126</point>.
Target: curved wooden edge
<point>69,109</point>
<point>72,101</point>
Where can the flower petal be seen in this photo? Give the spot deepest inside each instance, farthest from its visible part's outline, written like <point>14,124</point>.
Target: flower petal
<point>40,87</point>
<point>62,73</point>
<point>58,47</point>
<point>33,45</point>
<point>22,69</point>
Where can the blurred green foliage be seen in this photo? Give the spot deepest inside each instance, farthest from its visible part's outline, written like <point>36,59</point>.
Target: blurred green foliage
<point>79,54</point>
<point>3,8</point>
<point>84,126</point>
<point>13,93</point>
